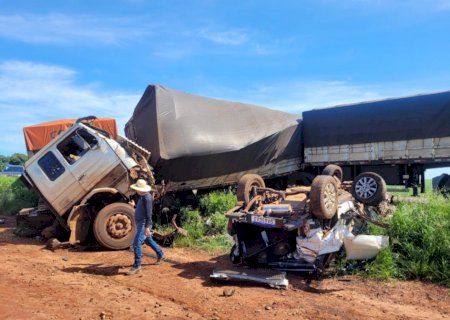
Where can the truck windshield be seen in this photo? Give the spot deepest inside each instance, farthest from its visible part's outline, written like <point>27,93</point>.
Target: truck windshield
<point>76,145</point>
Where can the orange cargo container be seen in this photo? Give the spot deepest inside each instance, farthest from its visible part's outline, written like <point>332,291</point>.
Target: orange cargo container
<point>38,135</point>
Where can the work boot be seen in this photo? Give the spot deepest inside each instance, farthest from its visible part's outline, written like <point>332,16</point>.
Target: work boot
<point>160,259</point>
<point>133,270</point>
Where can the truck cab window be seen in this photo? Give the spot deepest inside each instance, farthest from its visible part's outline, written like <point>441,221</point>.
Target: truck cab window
<point>51,166</point>
<point>73,147</point>
<point>89,138</point>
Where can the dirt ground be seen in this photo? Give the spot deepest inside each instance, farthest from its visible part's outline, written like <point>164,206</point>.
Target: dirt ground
<point>74,284</point>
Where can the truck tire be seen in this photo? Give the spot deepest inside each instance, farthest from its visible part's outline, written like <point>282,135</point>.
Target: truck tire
<point>333,170</point>
<point>323,197</point>
<point>245,184</point>
<point>369,188</point>
<point>114,226</point>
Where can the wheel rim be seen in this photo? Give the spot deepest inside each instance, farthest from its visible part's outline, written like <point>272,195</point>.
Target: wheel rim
<point>366,187</point>
<point>329,196</point>
<point>118,226</point>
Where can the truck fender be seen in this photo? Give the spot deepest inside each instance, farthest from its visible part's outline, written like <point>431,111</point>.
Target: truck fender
<point>79,218</point>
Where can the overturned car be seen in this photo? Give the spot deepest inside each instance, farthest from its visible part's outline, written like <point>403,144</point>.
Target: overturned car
<point>304,228</point>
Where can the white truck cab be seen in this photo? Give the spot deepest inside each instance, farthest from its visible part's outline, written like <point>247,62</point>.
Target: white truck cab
<point>84,177</point>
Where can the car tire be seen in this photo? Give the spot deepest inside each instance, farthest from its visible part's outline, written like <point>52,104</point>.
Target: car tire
<point>323,197</point>
<point>369,188</point>
<point>245,185</point>
<point>333,170</point>
<point>114,226</point>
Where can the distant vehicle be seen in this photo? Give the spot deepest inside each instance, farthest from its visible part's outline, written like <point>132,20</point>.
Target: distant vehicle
<point>12,170</point>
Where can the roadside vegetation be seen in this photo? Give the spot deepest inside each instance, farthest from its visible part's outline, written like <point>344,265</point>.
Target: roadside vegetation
<point>14,195</point>
<point>419,248</point>
<point>206,225</point>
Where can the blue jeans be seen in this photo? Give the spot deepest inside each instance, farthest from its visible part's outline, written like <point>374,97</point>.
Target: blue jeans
<point>140,239</point>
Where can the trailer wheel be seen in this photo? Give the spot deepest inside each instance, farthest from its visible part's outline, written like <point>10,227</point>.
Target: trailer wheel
<point>333,170</point>
<point>114,226</point>
<point>323,198</point>
<point>245,184</point>
<point>369,188</point>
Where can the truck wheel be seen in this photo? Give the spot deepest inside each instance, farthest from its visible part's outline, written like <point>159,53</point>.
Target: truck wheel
<point>333,170</point>
<point>245,184</point>
<point>114,226</point>
<point>323,198</point>
<point>369,188</point>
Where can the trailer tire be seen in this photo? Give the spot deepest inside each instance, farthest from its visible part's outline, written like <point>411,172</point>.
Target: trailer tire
<point>333,170</point>
<point>114,226</point>
<point>245,185</point>
<point>369,188</point>
<point>323,197</point>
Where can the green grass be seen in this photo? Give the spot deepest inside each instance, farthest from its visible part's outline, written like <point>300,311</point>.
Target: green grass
<point>400,191</point>
<point>14,195</point>
<point>207,228</point>
<point>419,243</point>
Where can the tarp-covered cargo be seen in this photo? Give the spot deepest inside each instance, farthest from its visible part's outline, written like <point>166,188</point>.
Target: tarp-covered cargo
<point>415,117</point>
<point>202,142</point>
<point>38,135</point>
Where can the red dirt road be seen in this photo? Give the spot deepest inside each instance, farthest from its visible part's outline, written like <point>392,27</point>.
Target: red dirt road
<point>40,284</point>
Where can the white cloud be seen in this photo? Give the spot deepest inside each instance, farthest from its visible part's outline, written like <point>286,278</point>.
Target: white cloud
<point>31,93</point>
<point>229,37</point>
<point>421,6</point>
<point>297,96</point>
<point>63,29</point>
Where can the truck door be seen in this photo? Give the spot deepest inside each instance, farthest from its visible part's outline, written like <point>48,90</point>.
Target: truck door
<point>55,182</point>
<point>90,158</point>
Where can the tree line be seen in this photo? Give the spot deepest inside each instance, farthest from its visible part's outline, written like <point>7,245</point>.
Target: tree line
<point>15,158</point>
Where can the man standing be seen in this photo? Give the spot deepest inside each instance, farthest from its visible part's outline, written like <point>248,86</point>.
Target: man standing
<point>143,220</point>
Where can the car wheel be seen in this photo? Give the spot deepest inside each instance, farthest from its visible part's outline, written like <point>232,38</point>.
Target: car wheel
<point>369,188</point>
<point>114,226</point>
<point>323,199</point>
<point>333,170</point>
<point>245,185</point>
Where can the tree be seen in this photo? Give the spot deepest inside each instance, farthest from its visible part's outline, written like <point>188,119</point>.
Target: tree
<point>18,159</point>
<point>3,162</point>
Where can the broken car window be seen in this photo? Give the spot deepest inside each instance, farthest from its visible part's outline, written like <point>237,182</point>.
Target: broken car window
<point>74,146</point>
<point>51,166</point>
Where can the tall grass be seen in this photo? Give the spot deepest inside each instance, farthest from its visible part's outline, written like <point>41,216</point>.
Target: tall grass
<point>14,195</point>
<point>420,243</point>
<point>207,228</point>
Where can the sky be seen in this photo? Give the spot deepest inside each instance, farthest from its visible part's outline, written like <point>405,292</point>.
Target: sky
<point>73,58</point>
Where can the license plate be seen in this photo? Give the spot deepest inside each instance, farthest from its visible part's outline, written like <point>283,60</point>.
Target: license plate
<point>263,221</point>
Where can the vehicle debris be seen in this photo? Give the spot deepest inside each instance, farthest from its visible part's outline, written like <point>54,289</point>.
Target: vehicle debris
<point>274,279</point>
<point>303,228</point>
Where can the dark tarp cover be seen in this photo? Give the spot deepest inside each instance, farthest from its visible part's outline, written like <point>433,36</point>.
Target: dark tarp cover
<point>193,137</point>
<point>415,117</point>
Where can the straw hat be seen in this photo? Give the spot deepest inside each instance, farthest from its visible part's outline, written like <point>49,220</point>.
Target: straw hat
<point>141,185</point>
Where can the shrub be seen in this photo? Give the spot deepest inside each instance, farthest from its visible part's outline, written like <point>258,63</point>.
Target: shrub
<point>217,202</point>
<point>14,195</point>
<point>207,231</point>
<point>216,224</point>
